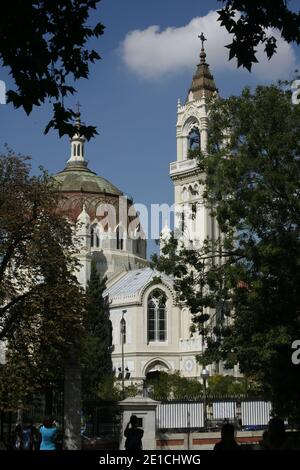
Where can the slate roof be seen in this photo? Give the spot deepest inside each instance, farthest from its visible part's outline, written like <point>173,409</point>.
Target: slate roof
<point>133,282</point>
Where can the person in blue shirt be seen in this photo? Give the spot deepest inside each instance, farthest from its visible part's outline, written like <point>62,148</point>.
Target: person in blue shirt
<point>48,434</point>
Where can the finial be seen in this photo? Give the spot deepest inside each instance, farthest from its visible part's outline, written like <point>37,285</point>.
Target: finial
<point>78,107</point>
<point>178,103</point>
<point>78,115</point>
<point>202,54</point>
<point>202,39</point>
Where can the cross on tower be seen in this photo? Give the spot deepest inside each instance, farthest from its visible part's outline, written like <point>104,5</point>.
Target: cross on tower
<point>78,107</point>
<point>202,39</point>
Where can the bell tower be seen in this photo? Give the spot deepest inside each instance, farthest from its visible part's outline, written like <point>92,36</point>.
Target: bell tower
<point>193,222</point>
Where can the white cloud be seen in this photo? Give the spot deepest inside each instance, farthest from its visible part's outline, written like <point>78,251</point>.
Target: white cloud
<point>153,53</point>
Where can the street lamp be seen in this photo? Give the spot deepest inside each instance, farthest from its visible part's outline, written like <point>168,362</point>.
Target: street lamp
<point>123,329</point>
<point>204,375</point>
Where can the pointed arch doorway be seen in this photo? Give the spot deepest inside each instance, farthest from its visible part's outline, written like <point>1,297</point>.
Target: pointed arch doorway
<point>154,369</point>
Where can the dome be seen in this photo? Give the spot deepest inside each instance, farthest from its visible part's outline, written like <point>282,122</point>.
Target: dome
<point>77,177</point>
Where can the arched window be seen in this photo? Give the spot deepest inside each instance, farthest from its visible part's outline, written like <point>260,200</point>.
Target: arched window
<point>92,236</point>
<point>194,139</point>
<point>123,331</point>
<point>157,316</point>
<point>95,241</point>
<point>185,195</point>
<point>138,246</point>
<point>119,238</point>
<point>74,150</point>
<point>78,150</point>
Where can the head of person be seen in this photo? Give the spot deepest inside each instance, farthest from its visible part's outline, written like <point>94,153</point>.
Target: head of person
<point>48,422</point>
<point>227,432</point>
<point>134,421</point>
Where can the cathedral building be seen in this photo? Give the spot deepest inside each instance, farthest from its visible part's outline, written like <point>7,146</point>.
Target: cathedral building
<point>150,331</point>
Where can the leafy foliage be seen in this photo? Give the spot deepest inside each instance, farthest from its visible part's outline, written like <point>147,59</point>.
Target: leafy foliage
<point>243,288</point>
<point>173,386</point>
<point>43,43</point>
<point>227,385</point>
<point>110,390</point>
<point>248,21</point>
<point>40,299</point>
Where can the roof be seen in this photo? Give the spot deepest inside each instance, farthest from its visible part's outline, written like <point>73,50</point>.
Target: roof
<point>203,80</point>
<point>131,285</point>
<point>77,177</point>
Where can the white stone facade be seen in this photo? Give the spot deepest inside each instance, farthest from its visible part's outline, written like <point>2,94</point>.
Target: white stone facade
<point>158,335</point>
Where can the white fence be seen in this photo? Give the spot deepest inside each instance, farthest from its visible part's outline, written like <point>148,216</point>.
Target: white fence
<point>180,415</point>
<point>224,410</point>
<point>190,414</point>
<point>256,413</point>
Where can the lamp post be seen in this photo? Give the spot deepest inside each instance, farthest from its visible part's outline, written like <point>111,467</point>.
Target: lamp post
<point>204,375</point>
<point>123,323</point>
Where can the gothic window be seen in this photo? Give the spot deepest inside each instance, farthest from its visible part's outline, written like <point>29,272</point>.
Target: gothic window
<point>119,238</point>
<point>157,316</point>
<point>123,331</point>
<point>182,222</point>
<point>194,139</point>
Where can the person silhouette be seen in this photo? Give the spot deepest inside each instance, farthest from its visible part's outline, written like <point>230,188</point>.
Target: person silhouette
<point>133,435</point>
<point>227,441</point>
<point>18,438</point>
<point>275,437</point>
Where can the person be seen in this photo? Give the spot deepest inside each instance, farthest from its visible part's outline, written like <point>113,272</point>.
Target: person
<point>133,435</point>
<point>48,433</point>
<point>18,440</point>
<point>36,436</point>
<point>227,441</point>
<point>27,437</point>
<point>275,437</point>
<point>2,445</point>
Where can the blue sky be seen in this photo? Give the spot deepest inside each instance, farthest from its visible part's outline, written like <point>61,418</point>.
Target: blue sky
<point>132,93</point>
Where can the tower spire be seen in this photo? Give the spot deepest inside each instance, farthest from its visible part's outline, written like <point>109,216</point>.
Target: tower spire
<point>203,84</point>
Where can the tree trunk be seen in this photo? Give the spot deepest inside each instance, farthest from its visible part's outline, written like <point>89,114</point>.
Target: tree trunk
<point>72,405</point>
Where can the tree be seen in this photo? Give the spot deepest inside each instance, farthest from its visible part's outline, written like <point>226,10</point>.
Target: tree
<point>40,299</point>
<point>249,278</point>
<point>227,385</point>
<point>43,44</point>
<point>96,357</point>
<point>249,22</point>
<point>172,386</point>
